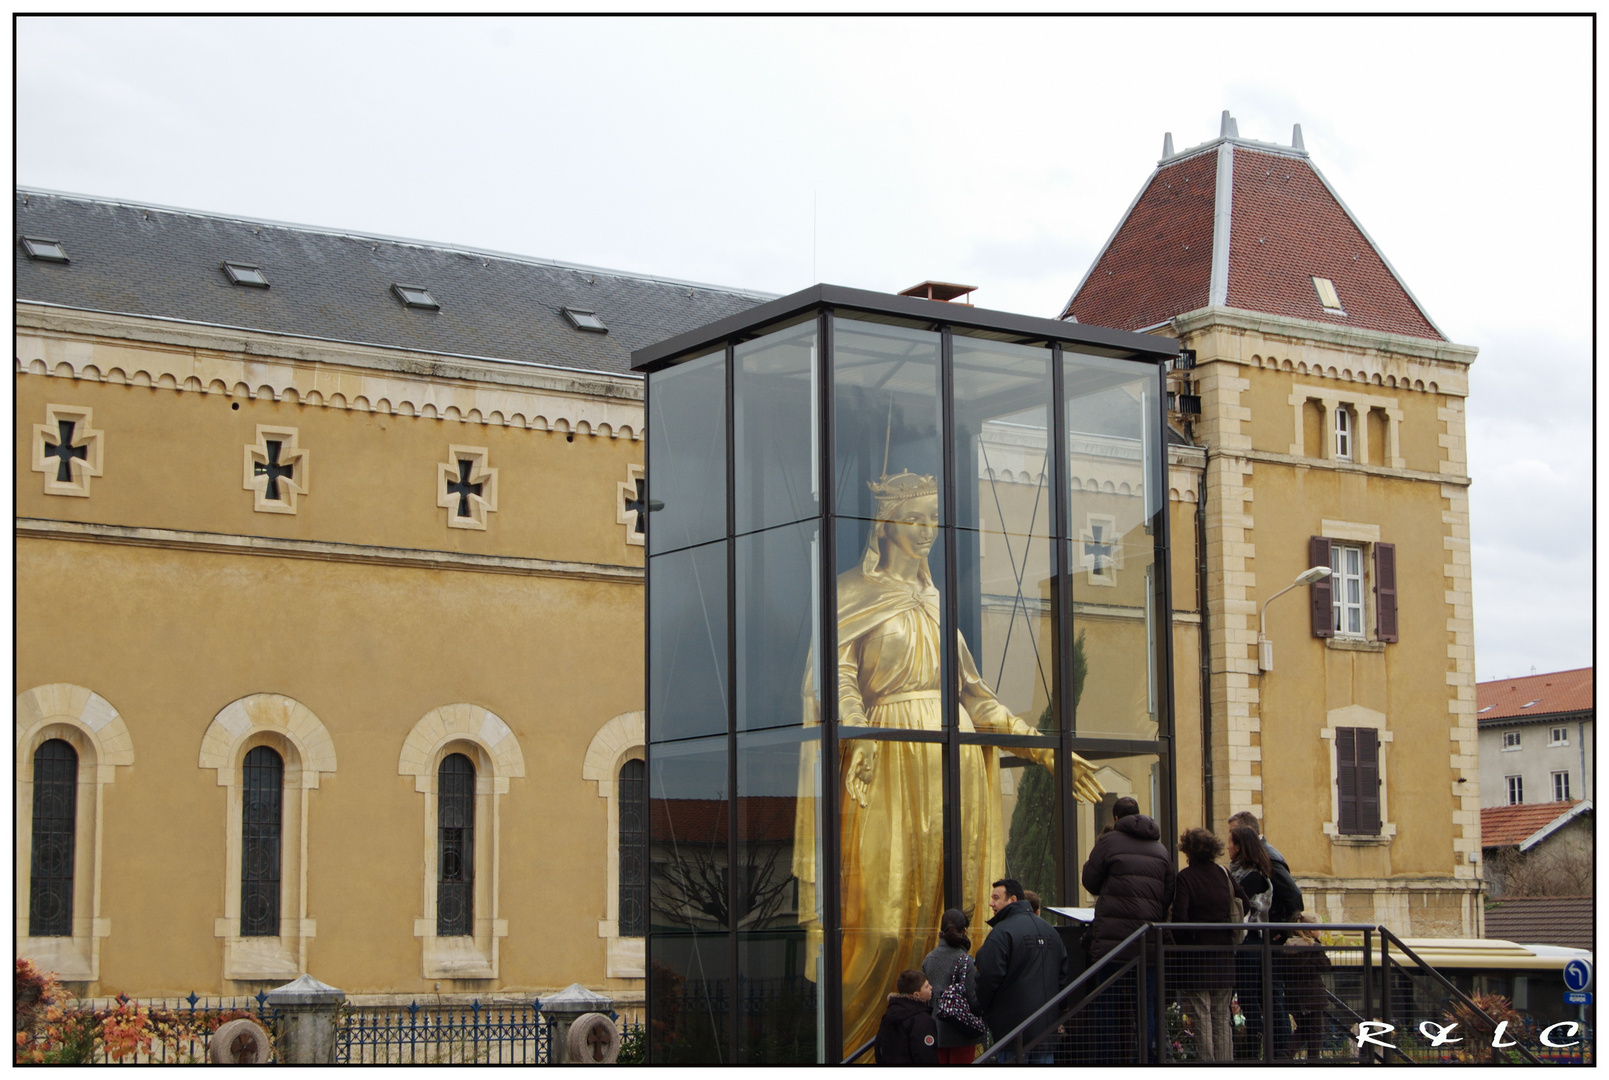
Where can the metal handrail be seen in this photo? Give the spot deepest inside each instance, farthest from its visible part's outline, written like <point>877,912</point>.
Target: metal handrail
<point>1387,938</point>
<point>1063,993</point>
<point>860,1052</point>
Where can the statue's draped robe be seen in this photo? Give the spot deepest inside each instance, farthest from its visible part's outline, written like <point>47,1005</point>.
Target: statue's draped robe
<point>891,850</point>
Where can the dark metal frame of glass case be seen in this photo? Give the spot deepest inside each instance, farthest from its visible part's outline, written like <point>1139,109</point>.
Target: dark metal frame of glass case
<point>1143,359</point>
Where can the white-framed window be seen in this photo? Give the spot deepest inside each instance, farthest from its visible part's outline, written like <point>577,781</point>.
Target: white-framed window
<point>1346,562</point>
<point>1559,736</point>
<point>1343,433</point>
<point>1561,786</point>
<point>462,758</point>
<point>1516,790</point>
<point>1511,740</point>
<point>613,761</point>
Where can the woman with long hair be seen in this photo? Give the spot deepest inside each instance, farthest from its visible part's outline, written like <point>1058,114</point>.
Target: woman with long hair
<point>957,1045</point>
<point>1252,871</point>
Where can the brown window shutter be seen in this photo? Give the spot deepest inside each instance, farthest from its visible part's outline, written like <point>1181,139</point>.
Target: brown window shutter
<point>1385,591</point>
<point>1368,776</point>
<point>1346,778</point>
<point>1321,594</point>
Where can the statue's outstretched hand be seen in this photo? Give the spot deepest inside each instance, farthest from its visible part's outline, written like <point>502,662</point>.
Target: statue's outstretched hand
<point>858,770</point>
<point>1085,787</point>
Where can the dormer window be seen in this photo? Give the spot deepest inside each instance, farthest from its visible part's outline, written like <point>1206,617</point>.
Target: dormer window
<point>44,250</point>
<point>245,274</point>
<point>1343,433</point>
<point>582,319</point>
<point>416,296</point>
<point>1327,295</point>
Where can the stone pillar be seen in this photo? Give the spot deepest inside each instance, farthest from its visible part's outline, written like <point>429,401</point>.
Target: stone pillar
<point>306,1011</point>
<point>564,1009</point>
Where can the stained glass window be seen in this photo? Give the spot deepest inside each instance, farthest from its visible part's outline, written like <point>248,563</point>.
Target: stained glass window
<point>262,813</point>
<point>50,906</point>
<point>455,831</point>
<point>633,848</point>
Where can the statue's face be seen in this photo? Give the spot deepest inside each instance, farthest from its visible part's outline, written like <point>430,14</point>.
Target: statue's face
<point>915,526</point>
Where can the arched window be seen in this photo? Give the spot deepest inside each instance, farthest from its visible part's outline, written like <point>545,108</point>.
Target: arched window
<point>262,812</point>
<point>455,835</point>
<point>50,906</point>
<point>633,848</point>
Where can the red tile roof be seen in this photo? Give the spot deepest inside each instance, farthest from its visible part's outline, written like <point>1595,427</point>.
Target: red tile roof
<point>1543,920</point>
<point>1286,228</point>
<point>704,821</point>
<point>1505,826</point>
<point>1534,695</point>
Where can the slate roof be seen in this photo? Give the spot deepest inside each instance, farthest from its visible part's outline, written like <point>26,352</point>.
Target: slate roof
<point>1243,224</point>
<point>1543,920</point>
<point>135,259</point>
<point>1533,696</point>
<point>1507,826</point>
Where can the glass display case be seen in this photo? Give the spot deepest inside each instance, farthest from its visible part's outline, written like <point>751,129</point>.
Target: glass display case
<point>907,635</point>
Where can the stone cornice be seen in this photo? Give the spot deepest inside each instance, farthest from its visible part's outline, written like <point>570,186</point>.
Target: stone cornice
<point>1343,466</point>
<point>186,356</point>
<point>1310,332</point>
<point>321,550</point>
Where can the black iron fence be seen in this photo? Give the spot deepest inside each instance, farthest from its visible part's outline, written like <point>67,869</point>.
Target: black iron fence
<point>158,1031</point>
<point>1301,992</point>
<point>495,1033</point>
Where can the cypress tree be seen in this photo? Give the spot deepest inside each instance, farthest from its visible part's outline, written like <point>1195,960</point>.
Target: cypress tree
<point>1030,845</point>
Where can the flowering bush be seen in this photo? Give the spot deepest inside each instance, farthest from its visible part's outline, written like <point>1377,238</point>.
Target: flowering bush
<point>49,1032</point>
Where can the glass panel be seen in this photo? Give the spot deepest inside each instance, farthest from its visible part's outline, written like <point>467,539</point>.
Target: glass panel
<point>775,427</point>
<point>889,620</point>
<point>778,615</point>
<point>1002,463</point>
<point>690,999</point>
<point>690,981</point>
<point>1111,515</point>
<point>455,856</point>
<point>50,889</point>
<point>886,418</point>
<point>1136,775</point>
<point>687,643</point>
<point>1010,826</point>
<point>262,792</point>
<point>891,836</point>
<point>779,914</point>
<point>687,453</point>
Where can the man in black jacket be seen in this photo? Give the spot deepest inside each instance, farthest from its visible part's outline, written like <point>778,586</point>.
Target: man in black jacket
<point>1021,965</point>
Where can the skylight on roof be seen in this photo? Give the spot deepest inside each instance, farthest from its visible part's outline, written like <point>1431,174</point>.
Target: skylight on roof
<point>1487,709</point>
<point>245,274</point>
<point>44,250</point>
<point>1528,704</point>
<point>585,320</point>
<point>1327,294</point>
<point>416,296</point>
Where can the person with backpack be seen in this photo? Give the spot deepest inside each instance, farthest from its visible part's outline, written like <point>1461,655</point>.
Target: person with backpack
<point>954,977</point>
<point>1254,872</point>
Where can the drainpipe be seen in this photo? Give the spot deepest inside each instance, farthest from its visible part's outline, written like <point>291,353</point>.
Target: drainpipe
<point>1581,745</point>
<point>1205,641</point>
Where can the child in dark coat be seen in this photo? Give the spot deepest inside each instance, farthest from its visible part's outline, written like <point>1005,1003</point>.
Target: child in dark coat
<point>908,1035</point>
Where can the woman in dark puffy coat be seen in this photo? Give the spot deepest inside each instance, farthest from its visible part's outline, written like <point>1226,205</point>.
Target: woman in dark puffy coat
<point>1203,893</point>
<point>957,1045</point>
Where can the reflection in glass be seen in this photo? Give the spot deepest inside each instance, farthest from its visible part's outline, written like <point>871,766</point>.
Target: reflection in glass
<point>1026,803</point>
<point>1003,507</point>
<point>892,819</point>
<point>774,420</point>
<point>687,642</point>
<point>778,958</point>
<point>687,453</point>
<point>689,997</point>
<point>687,856</point>
<point>886,402</point>
<point>1112,503</point>
<point>777,615</point>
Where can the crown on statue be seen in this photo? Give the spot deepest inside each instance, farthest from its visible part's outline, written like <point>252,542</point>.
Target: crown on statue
<point>893,490</point>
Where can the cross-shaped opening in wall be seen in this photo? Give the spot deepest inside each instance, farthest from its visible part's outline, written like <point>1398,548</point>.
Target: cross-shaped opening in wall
<point>64,451</point>
<point>639,507</point>
<point>463,488</point>
<point>1097,550</point>
<point>273,470</point>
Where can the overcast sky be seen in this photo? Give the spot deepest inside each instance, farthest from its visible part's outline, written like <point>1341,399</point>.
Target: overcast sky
<point>770,153</point>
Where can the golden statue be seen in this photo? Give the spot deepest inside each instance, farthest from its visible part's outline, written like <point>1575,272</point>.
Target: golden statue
<point>891,800</point>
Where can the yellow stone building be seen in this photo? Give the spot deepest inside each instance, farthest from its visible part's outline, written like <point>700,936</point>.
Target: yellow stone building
<point>1327,413</point>
<point>303,520</point>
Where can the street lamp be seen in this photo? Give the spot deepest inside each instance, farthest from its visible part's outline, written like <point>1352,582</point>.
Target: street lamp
<point>1265,648</point>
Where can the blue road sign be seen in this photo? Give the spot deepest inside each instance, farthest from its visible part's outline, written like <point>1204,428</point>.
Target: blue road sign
<point>1577,997</point>
<point>1578,975</point>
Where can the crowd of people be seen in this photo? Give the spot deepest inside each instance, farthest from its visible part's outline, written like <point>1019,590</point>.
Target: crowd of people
<point>942,1013</point>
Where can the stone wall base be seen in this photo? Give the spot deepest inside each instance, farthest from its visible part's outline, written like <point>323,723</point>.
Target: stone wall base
<point>1427,907</point>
